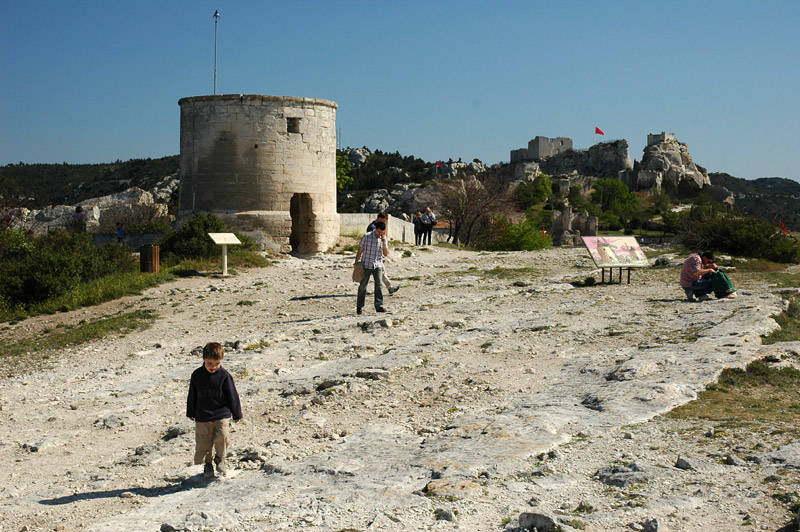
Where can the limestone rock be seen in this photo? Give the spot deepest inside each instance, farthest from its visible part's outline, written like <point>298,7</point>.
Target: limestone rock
<point>653,525</point>
<point>667,164</point>
<point>623,476</point>
<point>539,521</point>
<point>605,160</point>
<point>357,156</point>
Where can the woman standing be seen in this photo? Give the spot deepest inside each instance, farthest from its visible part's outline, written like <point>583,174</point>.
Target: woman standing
<point>419,228</point>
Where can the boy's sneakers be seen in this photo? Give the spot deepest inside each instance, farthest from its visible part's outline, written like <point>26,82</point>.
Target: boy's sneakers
<point>222,466</point>
<point>208,470</point>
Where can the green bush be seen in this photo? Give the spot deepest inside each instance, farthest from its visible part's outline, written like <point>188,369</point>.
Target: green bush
<point>505,235</point>
<point>33,269</point>
<point>192,240</point>
<point>747,237</point>
<point>533,192</point>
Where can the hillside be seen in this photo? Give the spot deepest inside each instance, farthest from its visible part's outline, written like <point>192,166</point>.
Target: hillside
<point>38,185</point>
<point>769,198</point>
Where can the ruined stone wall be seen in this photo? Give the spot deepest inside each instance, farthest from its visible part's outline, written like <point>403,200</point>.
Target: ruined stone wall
<point>541,147</point>
<point>606,160</point>
<point>658,138</point>
<point>264,164</point>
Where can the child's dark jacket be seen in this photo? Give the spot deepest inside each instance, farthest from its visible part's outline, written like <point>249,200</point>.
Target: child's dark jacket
<point>212,396</point>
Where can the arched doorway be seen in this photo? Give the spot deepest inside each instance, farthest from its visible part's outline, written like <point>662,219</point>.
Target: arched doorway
<point>300,211</point>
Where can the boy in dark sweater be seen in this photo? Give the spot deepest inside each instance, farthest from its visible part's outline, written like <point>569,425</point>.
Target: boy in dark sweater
<point>213,401</point>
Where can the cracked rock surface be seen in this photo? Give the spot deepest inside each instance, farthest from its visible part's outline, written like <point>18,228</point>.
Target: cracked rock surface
<point>437,416</point>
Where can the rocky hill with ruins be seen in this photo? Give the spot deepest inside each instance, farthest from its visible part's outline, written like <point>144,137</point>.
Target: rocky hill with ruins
<point>49,193</point>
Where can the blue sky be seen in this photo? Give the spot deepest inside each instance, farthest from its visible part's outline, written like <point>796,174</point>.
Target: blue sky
<point>97,81</point>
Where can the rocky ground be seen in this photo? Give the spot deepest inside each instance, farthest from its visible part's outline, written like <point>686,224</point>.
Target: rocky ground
<point>493,396</point>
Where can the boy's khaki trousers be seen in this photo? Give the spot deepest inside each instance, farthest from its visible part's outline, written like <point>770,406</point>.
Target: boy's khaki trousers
<point>210,436</point>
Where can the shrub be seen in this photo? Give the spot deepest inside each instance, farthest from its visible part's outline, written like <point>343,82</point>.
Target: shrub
<point>505,235</point>
<point>748,237</point>
<point>533,192</point>
<point>33,270</point>
<point>192,240</point>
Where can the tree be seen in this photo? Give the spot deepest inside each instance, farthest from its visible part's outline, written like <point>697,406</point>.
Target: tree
<point>469,204</point>
<point>343,169</point>
<point>533,192</point>
<point>620,206</point>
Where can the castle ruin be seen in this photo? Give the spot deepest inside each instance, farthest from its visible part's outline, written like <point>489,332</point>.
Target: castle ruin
<point>540,148</point>
<point>265,165</point>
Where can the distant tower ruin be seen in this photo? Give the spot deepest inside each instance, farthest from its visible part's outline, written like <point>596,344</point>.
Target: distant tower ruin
<point>540,148</point>
<point>266,165</point>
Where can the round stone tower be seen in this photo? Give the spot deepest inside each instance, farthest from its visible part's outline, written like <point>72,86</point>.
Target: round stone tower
<point>266,165</point>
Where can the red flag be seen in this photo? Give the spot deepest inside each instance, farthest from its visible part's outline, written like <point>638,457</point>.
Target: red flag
<point>783,228</point>
<point>439,164</point>
<point>598,131</point>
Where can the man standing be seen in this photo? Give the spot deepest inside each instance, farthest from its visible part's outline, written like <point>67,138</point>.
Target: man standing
<point>371,250</point>
<point>383,217</point>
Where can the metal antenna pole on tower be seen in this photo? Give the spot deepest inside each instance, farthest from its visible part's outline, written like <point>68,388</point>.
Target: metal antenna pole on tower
<point>216,21</point>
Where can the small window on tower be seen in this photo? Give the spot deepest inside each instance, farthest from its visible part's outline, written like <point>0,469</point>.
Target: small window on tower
<point>293,125</point>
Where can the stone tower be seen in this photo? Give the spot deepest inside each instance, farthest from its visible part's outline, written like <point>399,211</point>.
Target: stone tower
<point>266,165</point>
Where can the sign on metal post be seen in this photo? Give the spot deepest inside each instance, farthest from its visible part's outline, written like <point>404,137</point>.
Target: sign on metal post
<point>224,240</point>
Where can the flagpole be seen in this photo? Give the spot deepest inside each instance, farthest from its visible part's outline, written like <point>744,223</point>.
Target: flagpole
<point>216,21</point>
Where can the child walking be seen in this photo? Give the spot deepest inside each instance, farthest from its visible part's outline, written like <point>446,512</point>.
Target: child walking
<point>213,401</point>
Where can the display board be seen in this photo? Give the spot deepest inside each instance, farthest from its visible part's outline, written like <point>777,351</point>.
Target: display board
<point>615,251</point>
<point>224,238</point>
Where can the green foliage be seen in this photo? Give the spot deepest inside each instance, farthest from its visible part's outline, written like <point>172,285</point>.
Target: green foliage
<point>384,170</point>
<point>192,240</point>
<point>38,185</point>
<point>705,228</point>
<point>769,198</point>
<point>542,218</point>
<point>610,221</point>
<point>579,203</point>
<point>789,320</point>
<point>190,249</point>
<point>343,169</point>
<point>621,208</point>
<point>661,203</point>
<point>23,354</point>
<point>33,270</point>
<point>533,192</point>
<point>151,226</point>
<point>505,235</point>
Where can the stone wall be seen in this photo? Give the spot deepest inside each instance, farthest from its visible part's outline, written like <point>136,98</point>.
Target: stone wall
<point>264,164</point>
<point>605,159</point>
<point>541,147</point>
<point>355,224</point>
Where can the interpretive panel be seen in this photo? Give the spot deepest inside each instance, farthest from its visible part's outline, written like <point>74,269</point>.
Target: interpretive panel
<point>224,238</point>
<point>615,251</point>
